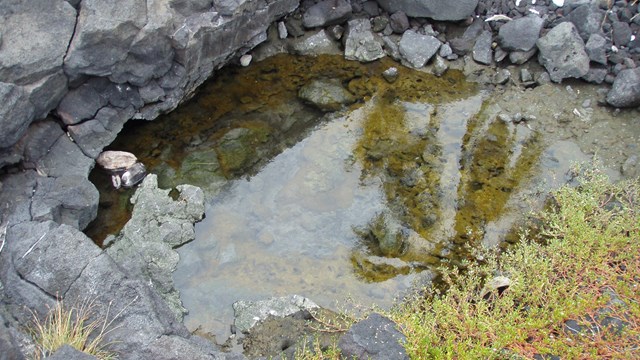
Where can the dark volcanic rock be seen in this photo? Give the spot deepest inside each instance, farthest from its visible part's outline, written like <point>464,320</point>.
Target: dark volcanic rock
<point>326,12</point>
<point>520,34</point>
<point>399,22</point>
<point>562,53</point>
<point>482,49</point>
<point>375,338</point>
<point>80,104</point>
<point>434,9</point>
<point>68,200</point>
<point>621,33</point>
<point>587,20</point>
<point>94,135</point>
<point>625,91</point>
<point>418,49</point>
<point>66,352</point>
<point>360,43</point>
<point>596,48</point>
<point>16,113</point>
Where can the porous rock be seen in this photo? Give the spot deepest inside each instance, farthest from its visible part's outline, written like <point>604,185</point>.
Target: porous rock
<point>434,9</point>
<point>375,338</point>
<point>562,53</point>
<point>360,43</point>
<point>418,49</point>
<point>625,91</point>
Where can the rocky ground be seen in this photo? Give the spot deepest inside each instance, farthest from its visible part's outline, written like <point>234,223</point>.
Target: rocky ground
<point>73,72</point>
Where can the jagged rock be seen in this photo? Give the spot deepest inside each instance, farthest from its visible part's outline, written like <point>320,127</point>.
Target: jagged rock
<point>66,200</point>
<point>418,49</point>
<point>434,9</point>
<point>391,74</point>
<point>315,44</point>
<point>399,22</point>
<point>16,113</point>
<point>360,43</point>
<point>64,158</point>
<point>66,352</point>
<point>596,75</point>
<point>159,224</point>
<point>375,338</point>
<point>152,92</point>
<point>80,104</point>
<point>463,44</point>
<point>249,313</point>
<point>326,95</point>
<point>596,48</point>
<point>326,12</point>
<point>587,19</point>
<point>94,135</point>
<point>625,91</point>
<point>621,33</point>
<point>482,49</point>
<point>521,57</point>
<point>520,34</point>
<point>562,53</point>
<point>35,35</point>
<point>440,66</point>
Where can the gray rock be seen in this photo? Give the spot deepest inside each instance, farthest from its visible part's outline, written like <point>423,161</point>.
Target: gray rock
<point>249,313</point>
<point>169,347</point>
<point>64,158</point>
<point>596,75</point>
<point>391,47</point>
<point>104,34</point>
<point>463,44</point>
<point>326,12</point>
<point>596,48</point>
<point>67,200</point>
<point>152,92</point>
<point>625,91</point>
<point>231,7</point>
<point>390,75</point>
<point>440,66</point>
<point>66,352</point>
<point>45,94</point>
<point>482,49</point>
<point>8,341</point>
<point>621,33</point>
<point>189,7</point>
<point>562,53</point>
<point>359,42</point>
<point>38,141</point>
<point>399,22</point>
<point>587,20</point>
<point>434,9</point>
<point>282,30</point>
<point>520,34</point>
<point>80,104</point>
<point>52,257</point>
<point>94,135</point>
<point>158,225</point>
<point>445,50</point>
<point>418,49</point>
<point>35,36</point>
<point>326,94</point>
<point>375,338</point>
<point>315,44</point>
<point>16,113</point>
<point>501,77</point>
<point>521,57</point>
<point>371,8</point>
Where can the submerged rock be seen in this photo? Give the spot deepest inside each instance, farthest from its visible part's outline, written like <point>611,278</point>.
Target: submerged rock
<point>326,94</point>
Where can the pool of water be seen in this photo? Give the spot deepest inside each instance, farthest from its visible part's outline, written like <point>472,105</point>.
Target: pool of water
<point>352,207</point>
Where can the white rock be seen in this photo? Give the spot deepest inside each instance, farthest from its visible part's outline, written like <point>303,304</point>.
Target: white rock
<point>245,60</point>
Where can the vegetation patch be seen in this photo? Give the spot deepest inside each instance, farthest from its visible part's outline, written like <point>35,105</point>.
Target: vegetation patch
<point>569,289</point>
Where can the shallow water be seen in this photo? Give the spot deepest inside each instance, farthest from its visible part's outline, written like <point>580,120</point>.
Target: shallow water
<point>362,203</point>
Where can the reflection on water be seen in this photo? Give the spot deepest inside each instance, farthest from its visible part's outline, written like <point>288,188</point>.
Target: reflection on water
<point>357,204</point>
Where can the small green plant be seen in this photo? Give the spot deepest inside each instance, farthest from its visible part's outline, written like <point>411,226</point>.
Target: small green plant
<point>567,285</point>
<point>76,327</point>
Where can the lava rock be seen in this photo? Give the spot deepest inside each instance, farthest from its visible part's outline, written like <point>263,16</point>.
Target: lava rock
<point>596,48</point>
<point>621,33</point>
<point>587,20</point>
<point>418,49</point>
<point>399,22</point>
<point>434,9</point>
<point>360,43</point>
<point>67,200</point>
<point>482,49</point>
<point>249,313</point>
<point>625,91</point>
<point>80,104</point>
<point>463,44</point>
<point>520,34</point>
<point>521,57</point>
<point>375,338</point>
<point>66,352</point>
<point>327,12</point>
<point>16,113</point>
<point>326,95</point>
<point>562,53</point>
<point>94,135</point>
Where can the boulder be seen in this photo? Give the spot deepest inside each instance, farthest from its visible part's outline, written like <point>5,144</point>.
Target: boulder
<point>621,33</point>
<point>625,91</point>
<point>35,35</point>
<point>359,42</point>
<point>16,113</point>
<point>326,94</point>
<point>418,49</point>
<point>249,313</point>
<point>482,52</point>
<point>326,12</point>
<point>587,19</point>
<point>375,338</point>
<point>434,9</point>
<point>520,34</point>
<point>562,53</point>
<point>158,225</point>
